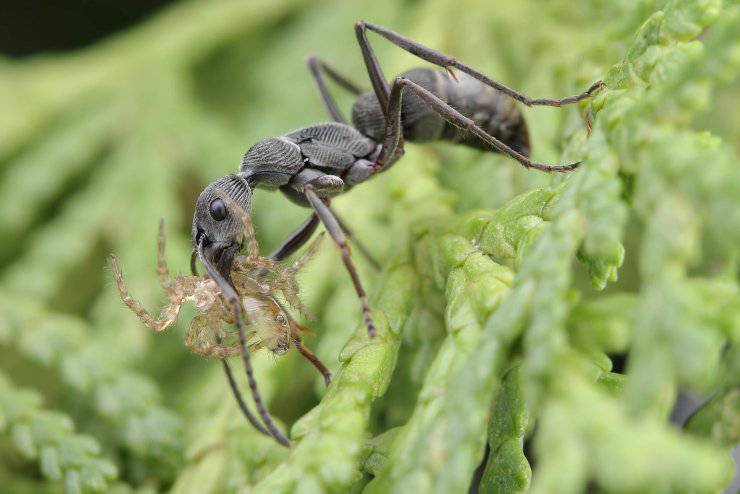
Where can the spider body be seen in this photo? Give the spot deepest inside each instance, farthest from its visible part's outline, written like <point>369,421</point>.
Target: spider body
<point>258,282</point>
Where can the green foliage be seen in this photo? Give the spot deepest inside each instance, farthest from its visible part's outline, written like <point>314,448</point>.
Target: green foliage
<point>504,293</point>
<point>49,437</point>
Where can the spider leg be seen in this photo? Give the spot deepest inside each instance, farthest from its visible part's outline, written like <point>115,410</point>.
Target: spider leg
<point>162,269</point>
<point>168,314</point>
<point>307,254</point>
<point>250,238</point>
<point>295,338</point>
<point>202,338</point>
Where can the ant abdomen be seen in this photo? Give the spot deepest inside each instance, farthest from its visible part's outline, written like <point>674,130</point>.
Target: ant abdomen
<point>492,110</point>
<point>489,108</point>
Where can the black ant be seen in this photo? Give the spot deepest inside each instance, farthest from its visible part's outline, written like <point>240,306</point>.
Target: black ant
<point>314,164</point>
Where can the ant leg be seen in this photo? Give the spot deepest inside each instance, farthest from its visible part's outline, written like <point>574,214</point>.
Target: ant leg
<point>447,62</point>
<point>303,233</point>
<point>274,431</point>
<point>455,118</point>
<point>332,226</point>
<point>363,250</point>
<point>377,79</point>
<point>316,67</point>
<point>296,239</point>
<point>313,359</point>
<point>193,267</point>
<point>335,76</point>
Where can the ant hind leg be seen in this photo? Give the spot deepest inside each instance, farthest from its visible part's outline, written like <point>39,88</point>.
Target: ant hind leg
<point>448,63</point>
<point>457,119</point>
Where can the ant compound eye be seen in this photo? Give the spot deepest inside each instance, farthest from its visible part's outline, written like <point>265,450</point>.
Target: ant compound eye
<point>218,209</point>
<point>281,319</point>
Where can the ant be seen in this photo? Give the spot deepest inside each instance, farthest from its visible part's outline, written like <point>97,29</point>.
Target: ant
<point>314,164</point>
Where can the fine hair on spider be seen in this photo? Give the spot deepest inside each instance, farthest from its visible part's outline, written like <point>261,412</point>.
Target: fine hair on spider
<point>253,291</point>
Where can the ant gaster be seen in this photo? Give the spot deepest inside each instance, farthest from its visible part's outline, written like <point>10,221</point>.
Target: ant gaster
<point>314,164</point>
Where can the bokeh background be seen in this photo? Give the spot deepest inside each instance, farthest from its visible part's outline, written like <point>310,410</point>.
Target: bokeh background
<point>538,332</point>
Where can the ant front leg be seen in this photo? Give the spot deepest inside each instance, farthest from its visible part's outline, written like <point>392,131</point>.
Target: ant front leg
<point>448,63</point>
<point>393,126</point>
<point>196,341</point>
<point>335,230</point>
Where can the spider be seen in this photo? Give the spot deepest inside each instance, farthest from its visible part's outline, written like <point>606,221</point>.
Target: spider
<point>260,283</point>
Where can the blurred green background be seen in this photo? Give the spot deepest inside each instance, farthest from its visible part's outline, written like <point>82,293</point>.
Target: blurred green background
<point>537,332</point>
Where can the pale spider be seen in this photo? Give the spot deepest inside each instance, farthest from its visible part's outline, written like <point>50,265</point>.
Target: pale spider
<point>258,282</point>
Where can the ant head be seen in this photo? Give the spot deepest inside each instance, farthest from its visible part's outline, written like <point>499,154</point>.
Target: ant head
<point>218,228</point>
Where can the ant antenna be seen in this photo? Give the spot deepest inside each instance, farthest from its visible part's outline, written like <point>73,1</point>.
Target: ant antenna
<point>232,298</point>
<point>193,259</point>
<point>239,398</point>
<point>230,375</point>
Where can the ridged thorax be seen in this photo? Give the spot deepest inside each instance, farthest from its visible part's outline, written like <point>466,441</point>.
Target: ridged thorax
<point>272,162</point>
